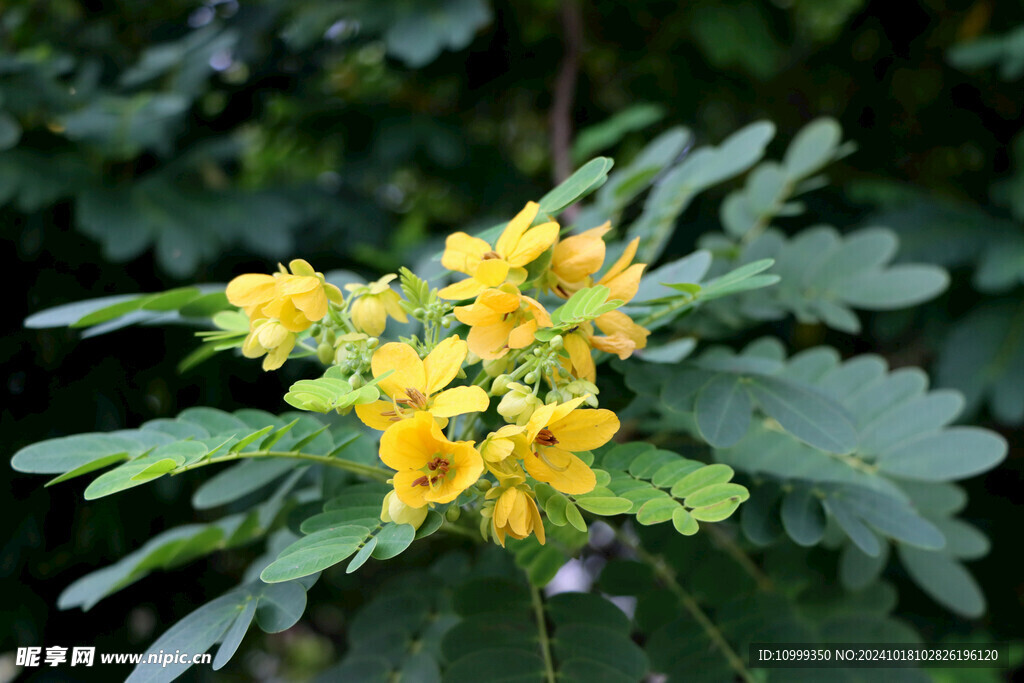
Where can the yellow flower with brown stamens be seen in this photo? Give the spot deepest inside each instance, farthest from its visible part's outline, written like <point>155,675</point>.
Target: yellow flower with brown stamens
<point>518,245</point>
<point>374,303</point>
<point>429,467</point>
<point>501,319</point>
<point>554,433</point>
<point>575,259</point>
<point>296,299</point>
<point>515,514</point>
<point>416,385</point>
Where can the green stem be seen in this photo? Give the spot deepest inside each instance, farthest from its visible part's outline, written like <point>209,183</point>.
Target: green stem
<point>348,465</point>
<point>542,630</point>
<point>667,575</point>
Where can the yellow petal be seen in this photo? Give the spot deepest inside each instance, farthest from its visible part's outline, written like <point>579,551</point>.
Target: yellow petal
<point>569,474</point>
<point>468,467</point>
<point>301,267</point>
<point>490,341</point>
<point>491,272</point>
<point>580,256</point>
<point>618,323</point>
<point>408,369</point>
<point>624,260</point>
<point>276,357</point>
<point>409,444</point>
<point>373,415</point>
<point>313,303</point>
<point>522,336</point>
<point>624,286</point>
<point>459,401</point>
<point>504,505</point>
<point>393,307</point>
<point>579,355</point>
<point>443,363</point>
<point>463,252</point>
<point>250,289</point>
<point>534,243</point>
<point>290,285</point>
<point>539,420</point>
<point>515,229</point>
<point>464,289</point>
<point>619,344</point>
<point>413,496</point>
<point>537,523</point>
<point>538,311</point>
<point>586,429</point>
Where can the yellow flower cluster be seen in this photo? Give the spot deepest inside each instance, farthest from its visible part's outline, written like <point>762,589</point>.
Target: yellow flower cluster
<point>280,305</point>
<point>420,395</point>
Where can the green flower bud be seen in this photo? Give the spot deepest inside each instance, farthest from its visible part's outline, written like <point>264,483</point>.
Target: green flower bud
<point>372,342</point>
<point>500,385</point>
<point>325,352</point>
<point>556,341</point>
<point>356,380</point>
<point>483,485</point>
<point>518,404</point>
<point>496,367</point>
<point>453,513</point>
<point>531,377</point>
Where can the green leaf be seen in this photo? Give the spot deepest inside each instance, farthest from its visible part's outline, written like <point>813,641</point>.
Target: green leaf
<point>314,553</point>
<point>945,580</point>
<point>601,136</point>
<point>898,287</point>
<point>240,480</point>
<point>604,506</point>
<point>715,494</point>
<point>805,413</point>
<point>573,516</point>
<point>717,512</point>
<point>138,471</point>
<point>812,148</point>
<point>953,453</point>
<point>723,411</point>
<point>392,540</point>
<point>657,511</point>
<point>803,517</point>
<point>706,476</point>
<point>585,180</point>
<point>684,522</point>
<point>235,634</point>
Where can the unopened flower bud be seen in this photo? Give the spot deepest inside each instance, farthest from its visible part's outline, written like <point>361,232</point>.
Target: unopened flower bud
<point>531,377</point>
<point>453,513</point>
<point>500,385</point>
<point>483,485</point>
<point>581,387</point>
<point>554,396</point>
<point>556,341</point>
<point>372,343</point>
<point>394,510</point>
<point>356,380</point>
<point>325,352</point>
<point>518,404</point>
<point>493,368</point>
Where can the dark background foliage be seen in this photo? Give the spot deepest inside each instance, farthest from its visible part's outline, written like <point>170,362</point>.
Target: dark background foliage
<point>149,145</point>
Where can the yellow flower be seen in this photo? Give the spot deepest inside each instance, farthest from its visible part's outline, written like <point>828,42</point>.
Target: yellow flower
<point>575,259</point>
<point>297,299</point>
<point>375,302</point>
<point>416,385</point>
<point>500,444</point>
<point>501,320</point>
<point>271,338</point>
<point>518,245</point>
<point>554,432</point>
<point>394,510</point>
<point>622,336</point>
<point>515,514</point>
<point>430,468</point>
